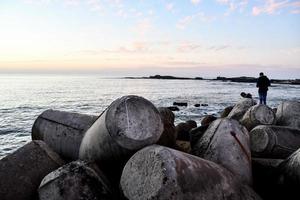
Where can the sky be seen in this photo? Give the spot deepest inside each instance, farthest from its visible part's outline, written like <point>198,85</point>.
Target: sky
<point>147,37</point>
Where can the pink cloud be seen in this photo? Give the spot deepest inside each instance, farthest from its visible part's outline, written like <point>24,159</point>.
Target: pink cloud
<point>274,6</point>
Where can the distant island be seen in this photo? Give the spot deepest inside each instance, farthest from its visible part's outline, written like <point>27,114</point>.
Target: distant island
<point>241,79</point>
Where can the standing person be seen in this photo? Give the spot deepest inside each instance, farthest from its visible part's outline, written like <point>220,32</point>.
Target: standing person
<point>262,83</point>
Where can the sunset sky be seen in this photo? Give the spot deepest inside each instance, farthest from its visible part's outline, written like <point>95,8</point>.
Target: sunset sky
<point>143,37</point>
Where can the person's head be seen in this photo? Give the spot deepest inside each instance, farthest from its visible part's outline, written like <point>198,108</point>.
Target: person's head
<point>261,74</point>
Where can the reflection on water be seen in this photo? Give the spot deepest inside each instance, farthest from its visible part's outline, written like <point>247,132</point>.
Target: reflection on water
<point>24,97</point>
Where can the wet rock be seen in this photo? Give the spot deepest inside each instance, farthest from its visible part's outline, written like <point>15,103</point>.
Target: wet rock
<point>173,108</point>
<point>22,171</point>
<point>76,180</point>
<point>258,115</point>
<point>157,172</point>
<point>274,141</point>
<point>62,131</point>
<point>244,95</point>
<point>180,104</point>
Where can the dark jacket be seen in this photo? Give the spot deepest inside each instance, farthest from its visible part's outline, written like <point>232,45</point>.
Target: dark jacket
<point>263,83</point>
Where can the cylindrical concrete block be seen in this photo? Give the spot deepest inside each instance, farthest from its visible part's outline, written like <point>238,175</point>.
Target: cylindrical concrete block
<point>227,143</point>
<point>62,131</point>
<point>168,137</point>
<point>289,177</point>
<point>160,173</point>
<point>127,125</point>
<point>288,114</point>
<point>241,108</point>
<point>258,115</point>
<point>274,141</point>
<point>76,180</point>
<point>22,171</point>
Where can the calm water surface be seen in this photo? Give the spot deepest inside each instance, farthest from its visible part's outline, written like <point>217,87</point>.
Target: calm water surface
<point>24,97</point>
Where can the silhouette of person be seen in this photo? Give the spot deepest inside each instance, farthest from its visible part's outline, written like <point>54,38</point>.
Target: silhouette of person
<point>262,83</point>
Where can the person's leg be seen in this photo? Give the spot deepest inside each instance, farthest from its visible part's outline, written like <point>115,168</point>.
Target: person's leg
<point>260,97</point>
<point>265,98</point>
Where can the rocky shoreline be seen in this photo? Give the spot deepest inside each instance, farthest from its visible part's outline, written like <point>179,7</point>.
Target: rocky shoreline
<point>134,151</point>
<point>241,79</point>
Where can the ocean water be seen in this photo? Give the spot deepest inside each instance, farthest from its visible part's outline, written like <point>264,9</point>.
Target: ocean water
<point>24,97</point>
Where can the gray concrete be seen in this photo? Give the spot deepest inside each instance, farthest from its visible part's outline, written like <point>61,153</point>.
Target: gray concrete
<point>274,141</point>
<point>62,131</point>
<point>75,181</point>
<point>241,108</point>
<point>288,114</point>
<point>258,115</point>
<point>289,177</point>
<point>227,143</point>
<point>22,171</point>
<point>128,124</point>
<point>161,173</point>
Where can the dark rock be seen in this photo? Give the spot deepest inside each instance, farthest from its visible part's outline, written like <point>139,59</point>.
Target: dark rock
<point>180,104</point>
<point>173,108</point>
<point>204,104</point>
<point>166,114</point>
<point>183,129</point>
<point>226,111</point>
<point>168,137</point>
<point>196,134</point>
<point>207,120</point>
<point>184,146</point>
<point>248,95</point>
<point>197,105</point>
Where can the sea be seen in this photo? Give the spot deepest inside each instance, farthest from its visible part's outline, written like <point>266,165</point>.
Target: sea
<point>23,97</point>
